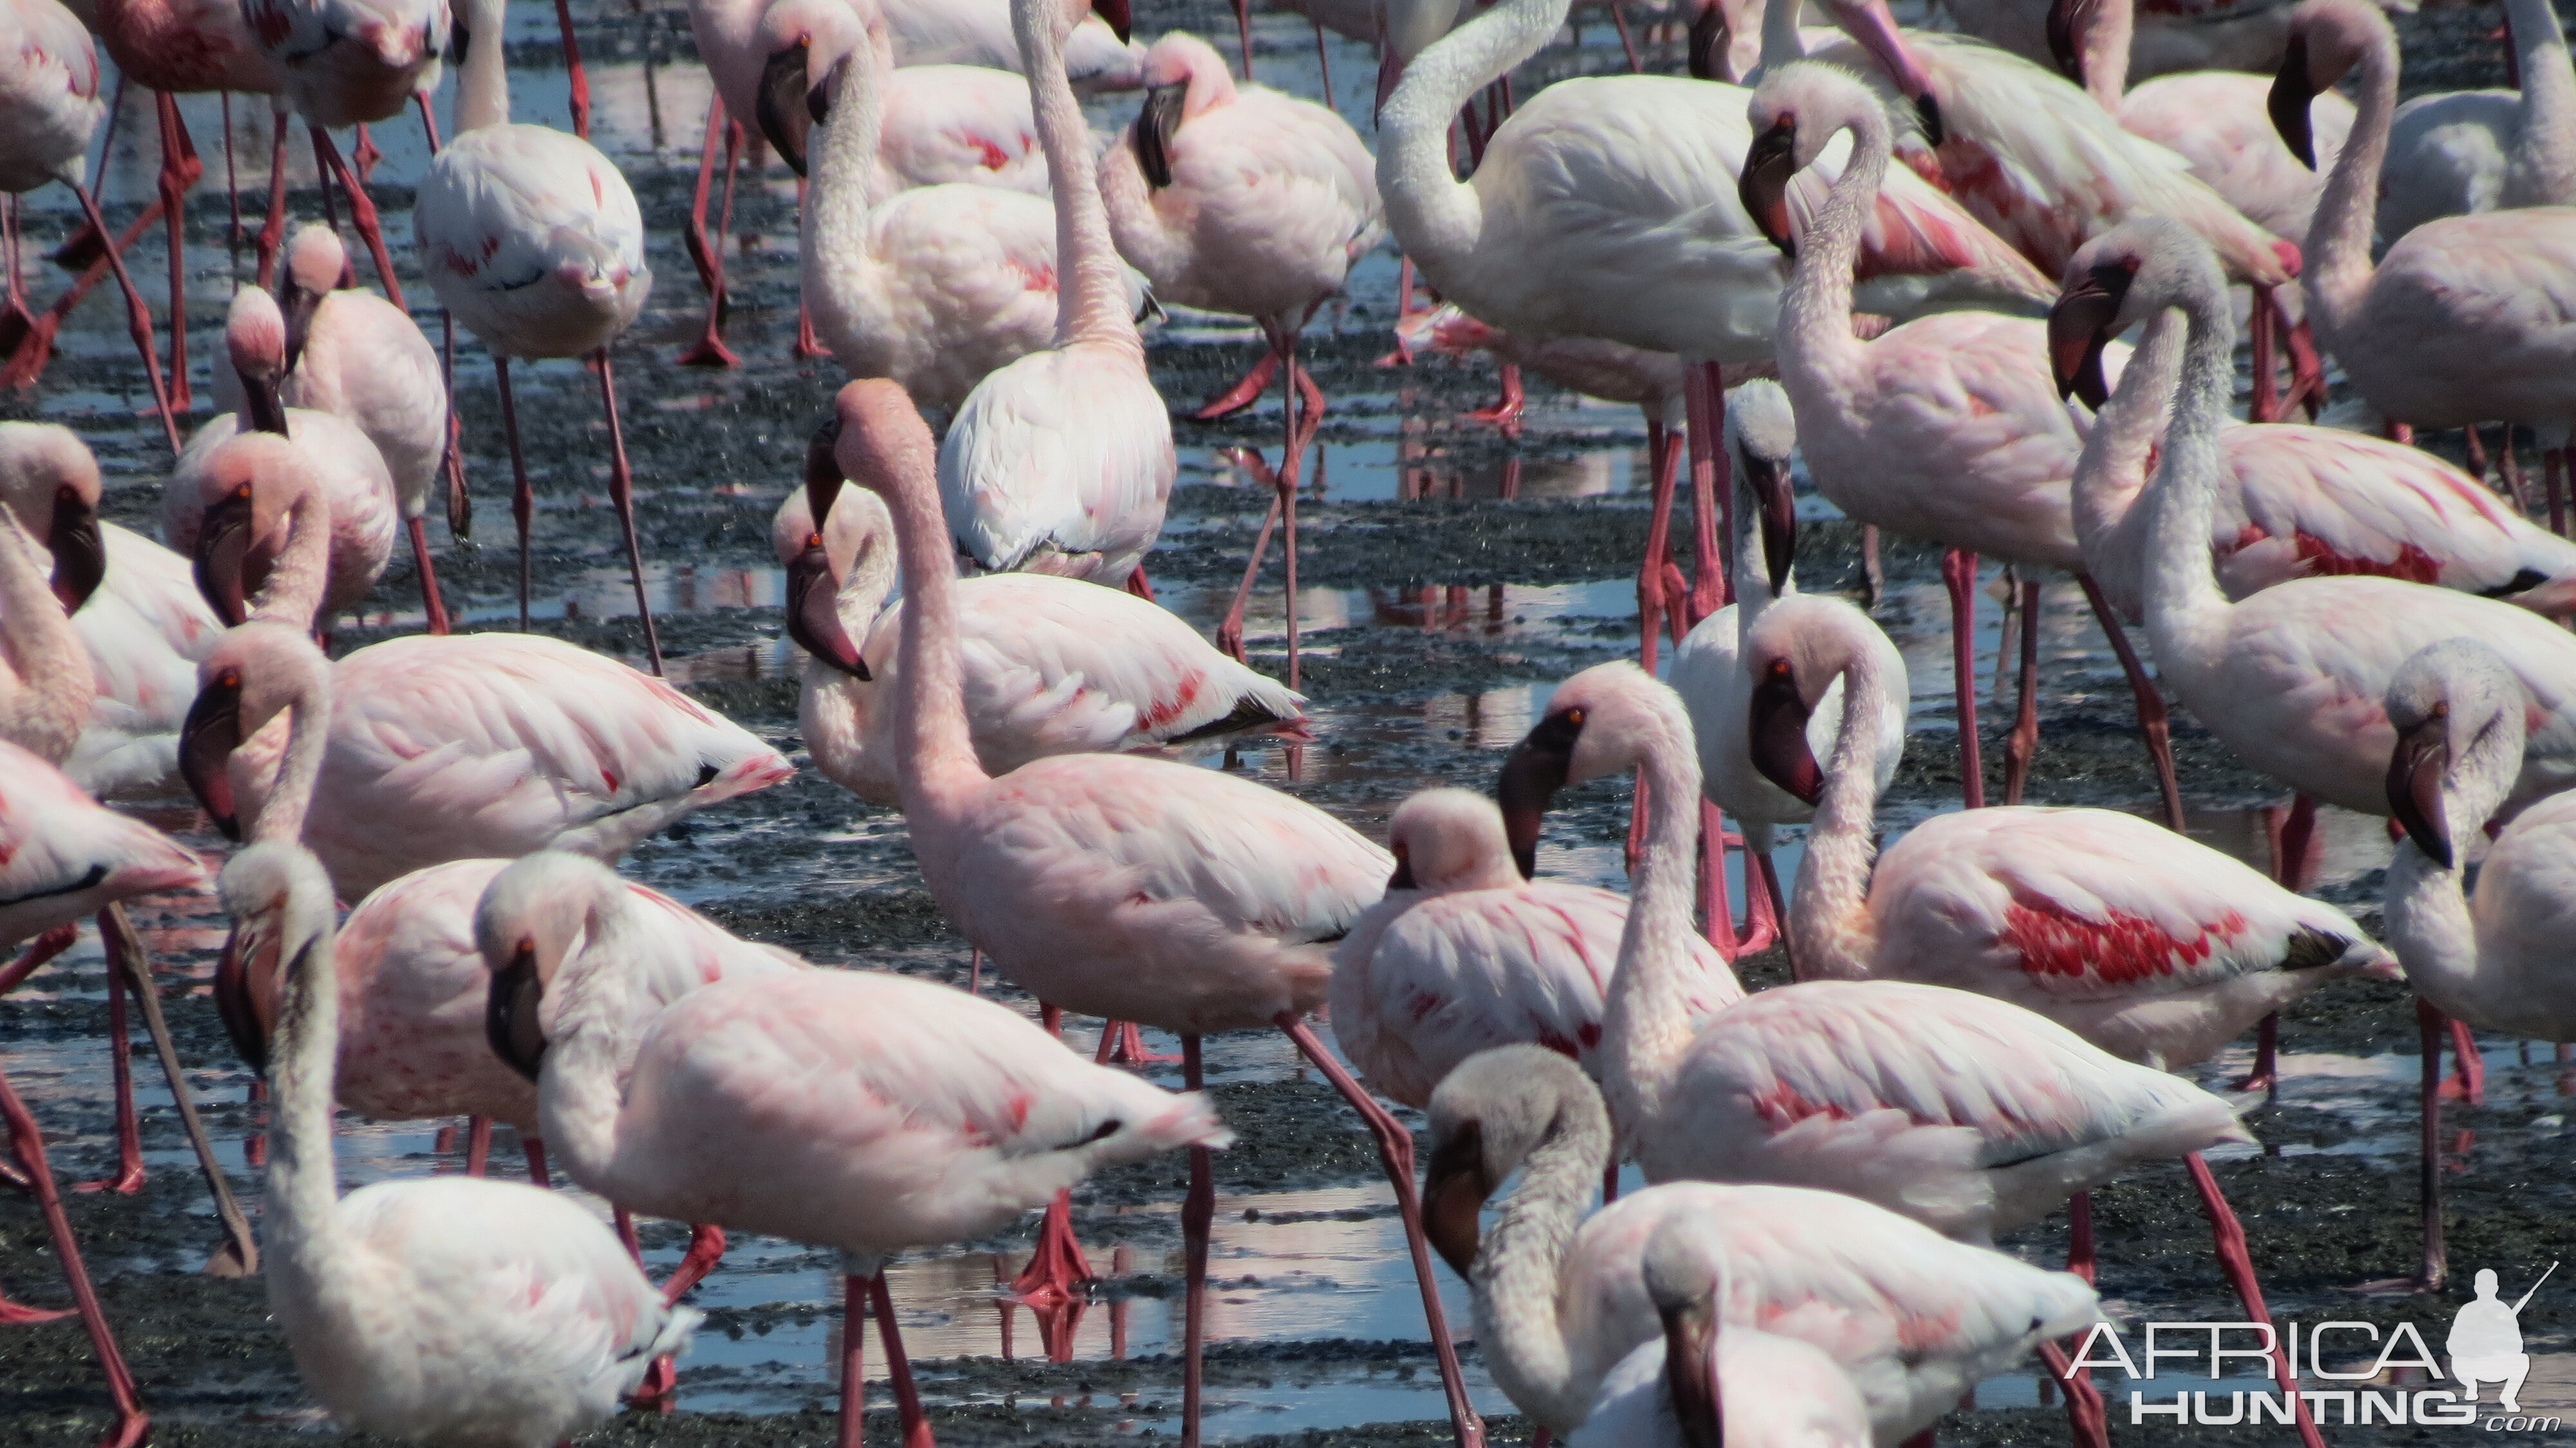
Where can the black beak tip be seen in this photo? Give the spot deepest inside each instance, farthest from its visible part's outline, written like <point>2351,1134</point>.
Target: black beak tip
<point>1928,111</point>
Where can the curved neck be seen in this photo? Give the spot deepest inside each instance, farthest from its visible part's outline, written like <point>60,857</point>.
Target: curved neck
<point>294,588</point>
<point>593,1028</point>
<point>2113,467</point>
<point>1752,575</point>
<point>2186,614</point>
<point>2542,169</point>
<point>844,165</point>
<point>1519,1320</point>
<point>303,1192</point>
<point>930,703</point>
<point>1646,1022</point>
<point>483,82</point>
<point>1816,345</point>
<point>45,680</point>
<point>1156,248</point>
<point>1831,930</point>
<point>2338,264</point>
<point>1436,217</point>
<point>2105,51</point>
<point>1091,296</point>
<point>1781,41</point>
<point>308,739</point>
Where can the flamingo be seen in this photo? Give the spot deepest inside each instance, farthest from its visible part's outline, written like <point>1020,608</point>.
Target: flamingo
<point>1054,665</point>
<point>1912,1317</point>
<point>445,1310</point>
<point>484,746</point>
<point>532,239</point>
<point>853,1109</point>
<point>1098,56</point>
<point>1128,888</point>
<point>2173,35</point>
<point>1247,201</point>
<point>2454,153</point>
<point>1464,954</point>
<point>70,857</point>
<point>2491,959</point>
<point>2463,320</point>
<point>1061,462</point>
<point>49,107</point>
<point>1709,669</point>
<point>230,500</point>
<point>1595,211</point>
<point>1701,1386</point>
<point>1968,1113</point>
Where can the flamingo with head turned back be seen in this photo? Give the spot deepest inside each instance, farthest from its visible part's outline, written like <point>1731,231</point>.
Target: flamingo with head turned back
<point>2463,320</point>
<point>1912,1317</point>
<point>1968,1113</point>
<point>49,107</point>
<point>446,1309</point>
<point>1133,889</point>
<point>2496,959</point>
<point>533,240</point>
<point>853,1109</point>
<point>144,630</point>
<point>2455,153</point>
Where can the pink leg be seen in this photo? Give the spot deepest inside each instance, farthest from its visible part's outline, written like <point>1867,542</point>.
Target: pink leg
<point>180,171</point>
<point>706,1249</point>
<point>1507,409</point>
<point>130,962</point>
<point>1138,584</point>
<point>2084,1417</point>
<point>1229,632</point>
<point>2436,1268</point>
<point>2470,1078</point>
<point>523,500</point>
<point>2152,719</point>
<point>272,230</point>
<point>362,211</point>
<point>129,1131</point>
<point>437,608</point>
<point>621,491</point>
<point>1959,573</point>
<point>1292,456</point>
<point>1714,905</point>
<point>1627,42</point>
<point>1121,1044</point>
<point>138,319</point>
<point>2307,369</point>
<point>1323,60</point>
<point>854,1359</point>
<point>478,1145</point>
<point>1198,1217</point>
<point>2229,1236</point>
<point>580,78</point>
<point>365,155</point>
<point>1873,577</point>
<point>907,1399</point>
<point>2024,740</point>
<point>428,119</point>
<point>535,1150</point>
<point>1773,912</point>
<point>16,320</point>
<point>1712,489</point>
<point>1245,392</point>
<point>28,1144</point>
<point>2260,326</point>
<point>710,350</point>
<point>975,974</point>
<point>2266,1075</point>
<point>1395,1150</point>
<point>1057,1270</point>
<point>1651,603</point>
<point>44,948</point>
<point>232,183</point>
<point>1243,30</point>
<point>2079,1235</point>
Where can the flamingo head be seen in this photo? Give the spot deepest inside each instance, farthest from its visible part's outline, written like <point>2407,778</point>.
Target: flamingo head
<point>255,339</point>
<point>1796,111</point>
<point>280,902</point>
<point>255,672</point>
<point>1761,434</point>
<point>1449,839</point>
<point>2114,282</point>
<point>1801,644</point>
<point>317,264</point>
<point>532,918</point>
<point>49,482</point>
<point>1873,27</point>
<point>1487,1117</point>
<point>1609,718</point>
<point>2459,713</point>
<point>2328,38</point>
<point>807,42</point>
<point>884,445</point>
<point>1183,77</point>
<point>254,480</point>
<point>852,542</point>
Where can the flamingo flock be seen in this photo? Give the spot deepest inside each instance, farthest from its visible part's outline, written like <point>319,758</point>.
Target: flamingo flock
<point>1971,287</point>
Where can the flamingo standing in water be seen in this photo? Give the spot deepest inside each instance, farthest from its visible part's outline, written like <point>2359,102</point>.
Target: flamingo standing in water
<point>1913,1318</point>
<point>1128,888</point>
<point>451,1309</point>
<point>2494,959</point>
<point>533,240</point>
<point>2455,153</point>
<point>2463,320</point>
<point>49,107</point>
<point>1250,202</point>
<point>853,1109</point>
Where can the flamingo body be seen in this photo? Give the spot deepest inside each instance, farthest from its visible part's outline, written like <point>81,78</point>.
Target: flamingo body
<point>1777,1392</point>
<point>1059,464</point>
<point>49,100</point>
<point>356,490</point>
<point>185,46</point>
<point>65,857</point>
<point>533,239</point>
<point>351,62</point>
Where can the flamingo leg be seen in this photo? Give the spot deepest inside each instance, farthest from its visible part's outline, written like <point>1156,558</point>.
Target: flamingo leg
<point>1058,1269</point>
<point>523,500</point>
<point>27,361</point>
<point>129,1130</point>
<point>706,1249</point>
<point>1775,910</point>
<point>1627,42</point>
<point>365,155</point>
<point>232,182</point>
<point>129,961</point>
<point>1229,632</point>
<point>28,1144</point>
<point>621,491</point>
<point>1198,1217</point>
<point>1873,577</point>
<point>1246,391</point>
<point>1712,492</point>
<point>272,229</point>
<point>430,601</point>
<point>2260,324</point>
<point>362,212</point>
<point>1506,411</point>
<point>1243,31</point>
<point>180,171</point>
<point>1138,584</point>
<point>2469,1079</point>
<point>854,1358</point>
<point>807,344</point>
<point>1959,574</point>
<point>710,350</point>
<point>534,1148</point>
<point>1651,604</point>
<point>2436,1269</point>
<point>1395,1150</point>
<point>478,1145</point>
<point>907,1398</point>
<point>2229,1236</point>
<point>2080,1258</point>
<point>1323,60</point>
<point>2153,720</point>
<point>580,77</point>
<point>45,947</point>
<point>15,318</point>
<point>2084,1417</point>
<point>138,322</point>
<point>2307,369</point>
<point>255,1139</point>
<point>2024,740</point>
<point>1296,386</point>
<point>1122,1044</point>
<point>1714,903</point>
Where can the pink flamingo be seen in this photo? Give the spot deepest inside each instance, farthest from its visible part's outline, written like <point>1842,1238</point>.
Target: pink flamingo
<point>2454,153</point>
<point>1061,462</point>
<point>486,746</point>
<point>2491,959</point>
<point>457,1309</point>
<point>1250,202</point>
<point>2463,320</point>
<point>1464,954</point>
<point>71,857</point>
<point>1912,1317</point>
<point>1965,1112</point>
<point>1132,889</point>
<point>853,1109</point>
<point>232,500</point>
<point>1053,665</point>
<point>533,240</point>
<point>49,107</point>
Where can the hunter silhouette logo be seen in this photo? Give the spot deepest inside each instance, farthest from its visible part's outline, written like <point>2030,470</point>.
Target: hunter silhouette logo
<point>2486,1342</point>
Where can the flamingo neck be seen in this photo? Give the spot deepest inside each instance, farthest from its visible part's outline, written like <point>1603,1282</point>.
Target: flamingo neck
<point>1436,217</point>
<point>1519,1319</point>
<point>1646,1022</point>
<point>2110,527</point>
<point>45,679</point>
<point>308,739</point>
<point>1782,41</point>
<point>1830,927</point>
<point>2105,51</point>
<point>1144,237</point>
<point>1752,576</point>
<point>1818,354</point>
<point>844,161</point>
<point>2337,267</point>
<point>483,81</point>
<point>2541,170</point>
<point>294,589</point>
<point>304,1234</point>
<point>600,1010</point>
<point>938,752</point>
<point>1091,291</point>
<point>2430,925</point>
<point>2186,614</point>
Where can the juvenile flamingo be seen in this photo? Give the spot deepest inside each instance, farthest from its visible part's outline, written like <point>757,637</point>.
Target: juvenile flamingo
<point>533,240</point>
<point>853,1109</point>
<point>1128,888</point>
<point>450,1309</point>
<point>2495,959</point>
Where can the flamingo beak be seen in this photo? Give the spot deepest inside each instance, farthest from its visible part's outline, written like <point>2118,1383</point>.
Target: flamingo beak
<point>1402,879</point>
<point>2292,90</point>
<point>206,744</point>
<point>2067,22</point>
<point>299,305</point>
<point>1769,165</point>
<point>1770,482</point>
<point>246,991</point>
<point>222,562</point>
<point>1690,1371</point>
<point>1708,41</point>
<point>1155,126</point>
<point>1532,775</point>
<point>823,470</point>
<point>80,554</point>
<point>2415,773</point>
<point>814,615</point>
<point>1778,739</point>
<point>510,1012</point>
<point>1121,19</point>
<point>2079,328</point>
<point>261,401</point>
<point>786,108</point>
<point>1875,29</point>
<point>1390,71</point>
<point>1454,1188</point>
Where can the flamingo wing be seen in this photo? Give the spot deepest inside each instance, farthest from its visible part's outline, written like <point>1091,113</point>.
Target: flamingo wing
<point>63,855</point>
<point>1057,454</point>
